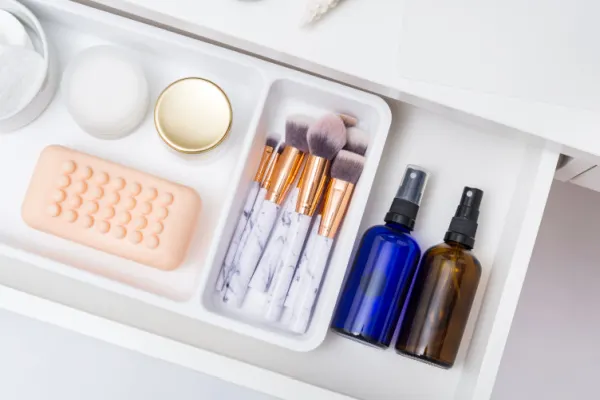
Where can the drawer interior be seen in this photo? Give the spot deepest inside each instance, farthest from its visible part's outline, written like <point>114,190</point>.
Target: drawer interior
<point>513,169</point>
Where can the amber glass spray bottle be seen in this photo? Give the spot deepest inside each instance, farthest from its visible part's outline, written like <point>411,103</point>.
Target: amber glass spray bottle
<point>443,290</point>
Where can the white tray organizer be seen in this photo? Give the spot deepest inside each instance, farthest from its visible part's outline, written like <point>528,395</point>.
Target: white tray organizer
<point>262,97</point>
<point>514,170</point>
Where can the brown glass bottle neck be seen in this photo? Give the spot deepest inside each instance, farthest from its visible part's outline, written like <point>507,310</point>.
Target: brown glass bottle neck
<point>454,243</point>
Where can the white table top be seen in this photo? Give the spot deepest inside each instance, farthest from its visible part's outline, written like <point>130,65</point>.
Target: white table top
<point>377,44</point>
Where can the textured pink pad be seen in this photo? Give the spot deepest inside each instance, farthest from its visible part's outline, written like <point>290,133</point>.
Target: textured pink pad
<point>111,208</point>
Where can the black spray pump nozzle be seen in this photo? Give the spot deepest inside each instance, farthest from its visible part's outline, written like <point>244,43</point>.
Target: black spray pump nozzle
<point>464,224</point>
<point>405,206</point>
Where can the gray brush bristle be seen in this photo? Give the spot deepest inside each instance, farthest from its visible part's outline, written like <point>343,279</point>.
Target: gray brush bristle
<point>272,140</point>
<point>327,136</point>
<point>296,129</point>
<point>358,141</point>
<point>348,166</point>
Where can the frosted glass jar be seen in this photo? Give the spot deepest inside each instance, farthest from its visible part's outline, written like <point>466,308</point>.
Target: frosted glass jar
<point>44,82</point>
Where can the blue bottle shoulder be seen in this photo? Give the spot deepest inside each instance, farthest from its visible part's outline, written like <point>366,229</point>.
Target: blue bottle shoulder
<point>391,232</point>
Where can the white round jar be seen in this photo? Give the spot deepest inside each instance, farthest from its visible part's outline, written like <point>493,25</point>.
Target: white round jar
<point>106,91</point>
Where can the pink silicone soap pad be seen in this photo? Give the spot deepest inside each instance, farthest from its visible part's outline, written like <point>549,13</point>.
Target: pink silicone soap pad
<point>111,208</point>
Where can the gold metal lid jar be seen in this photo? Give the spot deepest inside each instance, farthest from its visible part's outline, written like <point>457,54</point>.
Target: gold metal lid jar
<point>193,115</point>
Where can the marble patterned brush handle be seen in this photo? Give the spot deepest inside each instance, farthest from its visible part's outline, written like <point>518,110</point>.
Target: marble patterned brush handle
<point>268,265</point>
<point>260,198</point>
<point>297,234</point>
<point>301,268</point>
<point>237,236</point>
<point>250,254</point>
<point>310,282</point>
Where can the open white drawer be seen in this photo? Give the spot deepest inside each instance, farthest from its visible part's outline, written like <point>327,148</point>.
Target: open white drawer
<point>515,171</point>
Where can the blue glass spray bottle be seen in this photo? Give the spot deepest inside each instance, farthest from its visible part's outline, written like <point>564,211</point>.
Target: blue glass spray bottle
<point>383,269</point>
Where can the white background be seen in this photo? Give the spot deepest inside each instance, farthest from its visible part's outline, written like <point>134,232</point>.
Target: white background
<point>552,352</point>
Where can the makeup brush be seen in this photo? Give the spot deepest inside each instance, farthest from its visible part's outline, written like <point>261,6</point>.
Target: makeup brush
<point>346,165</point>
<point>358,141</point>
<point>284,174</point>
<point>325,139</point>
<point>269,261</point>
<point>268,157</point>
<point>260,197</point>
<point>345,173</point>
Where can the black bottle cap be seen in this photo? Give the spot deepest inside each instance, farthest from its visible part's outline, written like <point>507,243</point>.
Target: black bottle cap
<point>405,206</point>
<point>464,224</point>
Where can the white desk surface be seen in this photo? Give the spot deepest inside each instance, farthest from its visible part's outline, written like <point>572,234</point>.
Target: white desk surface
<point>534,68</point>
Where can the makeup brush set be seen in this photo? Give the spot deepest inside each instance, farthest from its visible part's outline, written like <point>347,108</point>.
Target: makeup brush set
<point>281,244</point>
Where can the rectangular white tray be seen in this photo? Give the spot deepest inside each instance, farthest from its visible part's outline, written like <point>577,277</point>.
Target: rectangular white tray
<point>513,169</point>
<point>310,96</point>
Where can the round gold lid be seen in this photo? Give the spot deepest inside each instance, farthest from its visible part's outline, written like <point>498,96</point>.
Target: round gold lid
<point>193,115</point>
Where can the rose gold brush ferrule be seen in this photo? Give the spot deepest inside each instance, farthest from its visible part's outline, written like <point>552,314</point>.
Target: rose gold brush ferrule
<point>264,163</point>
<point>268,175</point>
<point>312,184</point>
<point>284,174</point>
<point>337,200</point>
